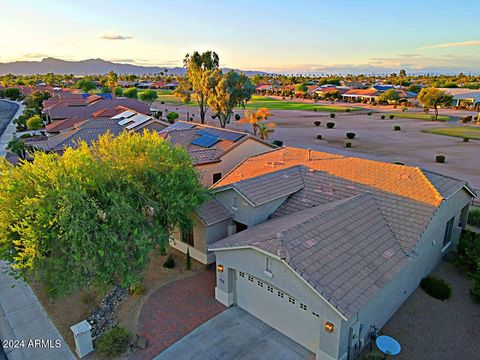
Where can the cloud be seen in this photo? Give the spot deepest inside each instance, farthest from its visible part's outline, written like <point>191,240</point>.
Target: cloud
<point>115,37</point>
<point>453,44</point>
<point>35,56</point>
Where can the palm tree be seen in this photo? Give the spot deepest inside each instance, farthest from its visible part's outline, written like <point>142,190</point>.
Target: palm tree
<point>255,118</point>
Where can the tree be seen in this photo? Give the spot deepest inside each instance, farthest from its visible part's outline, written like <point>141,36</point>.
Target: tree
<point>433,98</point>
<point>131,93</point>
<point>12,93</point>
<point>106,90</point>
<point>232,90</point>
<point>149,96</point>
<point>86,85</point>
<point>111,80</point>
<point>172,116</point>
<point>414,88</point>
<point>35,100</point>
<point>255,118</point>
<point>199,79</point>
<point>302,88</point>
<point>99,213</point>
<point>19,148</point>
<point>118,91</point>
<point>389,95</point>
<point>34,123</point>
<point>402,73</point>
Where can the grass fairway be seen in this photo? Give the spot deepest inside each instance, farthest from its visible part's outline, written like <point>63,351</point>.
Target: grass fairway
<point>457,131</point>
<point>274,104</point>
<point>427,117</point>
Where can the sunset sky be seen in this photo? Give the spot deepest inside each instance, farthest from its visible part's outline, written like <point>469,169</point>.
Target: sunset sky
<point>280,36</point>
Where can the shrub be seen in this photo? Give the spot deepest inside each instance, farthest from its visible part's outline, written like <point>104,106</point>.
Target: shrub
<point>113,342</point>
<point>391,116</point>
<point>399,163</point>
<point>432,117</point>
<point>348,144</point>
<point>475,118</point>
<point>474,217</point>
<point>332,115</point>
<point>237,117</point>
<point>468,251</point>
<point>466,139</point>
<point>436,287</point>
<point>468,118</point>
<point>172,116</point>
<point>369,113</point>
<point>330,125</point>
<point>314,109</point>
<point>350,135</point>
<point>188,260</point>
<point>382,117</point>
<point>475,290</point>
<point>277,142</point>
<point>347,110</point>
<point>136,289</point>
<point>397,128</point>
<point>317,123</point>
<point>162,102</point>
<point>440,159</point>
<point>169,263</point>
<point>319,137</point>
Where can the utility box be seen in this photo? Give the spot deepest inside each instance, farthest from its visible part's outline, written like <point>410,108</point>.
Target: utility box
<point>83,338</point>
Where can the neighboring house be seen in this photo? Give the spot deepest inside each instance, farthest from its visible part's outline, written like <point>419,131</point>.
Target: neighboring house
<point>323,247</point>
<point>214,151</point>
<point>466,97</point>
<point>371,94</point>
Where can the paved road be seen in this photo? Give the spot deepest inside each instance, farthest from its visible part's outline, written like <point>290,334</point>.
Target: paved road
<point>8,111</point>
<point>234,334</point>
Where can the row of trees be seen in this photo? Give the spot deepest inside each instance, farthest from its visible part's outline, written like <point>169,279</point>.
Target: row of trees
<point>212,89</point>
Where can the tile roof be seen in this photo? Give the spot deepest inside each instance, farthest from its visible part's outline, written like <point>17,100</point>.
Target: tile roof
<point>344,249</point>
<point>405,181</point>
<point>212,211</point>
<point>446,185</point>
<point>362,92</point>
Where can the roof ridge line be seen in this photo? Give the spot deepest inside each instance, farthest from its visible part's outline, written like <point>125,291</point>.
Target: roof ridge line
<point>429,183</point>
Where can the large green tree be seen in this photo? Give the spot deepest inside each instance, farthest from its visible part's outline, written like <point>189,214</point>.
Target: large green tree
<point>232,90</point>
<point>93,214</point>
<point>149,96</point>
<point>434,98</point>
<point>86,85</point>
<point>131,93</point>
<point>199,80</point>
<point>389,95</point>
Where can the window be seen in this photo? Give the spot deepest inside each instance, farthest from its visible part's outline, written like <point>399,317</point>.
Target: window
<point>217,177</point>
<point>235,203</point>
<point>239,226</point>
<point>187,237</point>
<point>447,238</point>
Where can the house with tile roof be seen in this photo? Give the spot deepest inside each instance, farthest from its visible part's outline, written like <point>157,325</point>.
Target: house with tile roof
<point>214,151</point>
<point>372,93</point>
<point>324,247</point>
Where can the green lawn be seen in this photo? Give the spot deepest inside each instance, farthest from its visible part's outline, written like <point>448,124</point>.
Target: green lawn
<point>457,131</point>
<point>261,101</point>
<point>406,115</point>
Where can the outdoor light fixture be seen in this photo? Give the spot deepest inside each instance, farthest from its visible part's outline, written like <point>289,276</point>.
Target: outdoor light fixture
<point>220,268</point>
<point>329,327</point>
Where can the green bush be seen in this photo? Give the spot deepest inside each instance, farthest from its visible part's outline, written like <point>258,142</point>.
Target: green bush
<point>332,115</point>
<point>277,142</point>
<point>347,110</point>
<point>319,137</point>
<point>466,139</point>
<point>440,159</point>
<point>475,290</point>
<point>330,125</point>
<point>169,263</point>
<point>436,287</point>
<point>399,163</point>
<point>391,116</point>
<point>432,117</point>
<point>172,116</point>
<point>397,128</point>
<point>382,117</point>
<point>468,251</point>
<point>350,135</point>
<point>474,217</point>
<point>348,144</point>
<point>317,123</point>
<point>113,342</point>
<point>237,117</point>
<point>369,113</point>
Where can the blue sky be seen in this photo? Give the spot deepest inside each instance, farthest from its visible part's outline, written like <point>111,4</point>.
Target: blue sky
<point>288,36</point>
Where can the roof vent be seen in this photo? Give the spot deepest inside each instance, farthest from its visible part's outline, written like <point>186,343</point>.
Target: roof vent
<point>388,253</point>
<point>309,243</point>
<point>285,176</point>
<point>405,176</point>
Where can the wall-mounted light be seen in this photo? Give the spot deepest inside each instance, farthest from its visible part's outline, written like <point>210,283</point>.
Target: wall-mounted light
<point>220,268</point>
<point>329,327</point>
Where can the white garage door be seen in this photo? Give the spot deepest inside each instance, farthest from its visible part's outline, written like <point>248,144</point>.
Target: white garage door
<point>279,310</point>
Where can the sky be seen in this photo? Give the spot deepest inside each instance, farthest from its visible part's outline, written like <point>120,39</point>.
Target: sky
<point>295,36</point>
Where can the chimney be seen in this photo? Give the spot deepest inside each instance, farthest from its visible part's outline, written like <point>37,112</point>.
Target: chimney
<point>309,154</point>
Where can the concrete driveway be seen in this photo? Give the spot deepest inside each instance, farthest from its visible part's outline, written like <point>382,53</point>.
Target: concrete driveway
<point>233,335</point>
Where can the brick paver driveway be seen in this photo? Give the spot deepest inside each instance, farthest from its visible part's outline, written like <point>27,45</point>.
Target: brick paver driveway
<point>174,310</point>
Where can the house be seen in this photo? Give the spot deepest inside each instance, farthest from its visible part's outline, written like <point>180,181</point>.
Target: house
<point>323,247</point>
<point>214,151</point>
<point>371,94</point>
<point>464,97</point>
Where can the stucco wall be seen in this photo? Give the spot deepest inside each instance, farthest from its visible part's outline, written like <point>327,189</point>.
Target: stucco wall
<point>231,159</point>
<point>253,262</point>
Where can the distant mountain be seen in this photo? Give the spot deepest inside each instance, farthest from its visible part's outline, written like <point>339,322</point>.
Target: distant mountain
<point>88,67</point>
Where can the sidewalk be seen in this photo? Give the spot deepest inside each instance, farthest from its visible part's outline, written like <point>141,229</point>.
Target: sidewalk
<point>10,129</point>
<point>23,318</point>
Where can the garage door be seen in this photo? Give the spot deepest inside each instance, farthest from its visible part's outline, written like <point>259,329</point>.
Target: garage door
<point>279,310</point>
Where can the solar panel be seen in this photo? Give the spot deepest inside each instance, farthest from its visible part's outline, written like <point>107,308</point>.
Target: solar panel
<point>205,141</point>
<point>222,134</point>
<point>124,121</point>
<point>179,126</point>
<point>123,114</point>
<point>138,120</point>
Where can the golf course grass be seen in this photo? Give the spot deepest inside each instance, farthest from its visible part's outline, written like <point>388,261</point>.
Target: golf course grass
<point>405,115</point>
<point>457,131</point>
<point>264,102</point>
